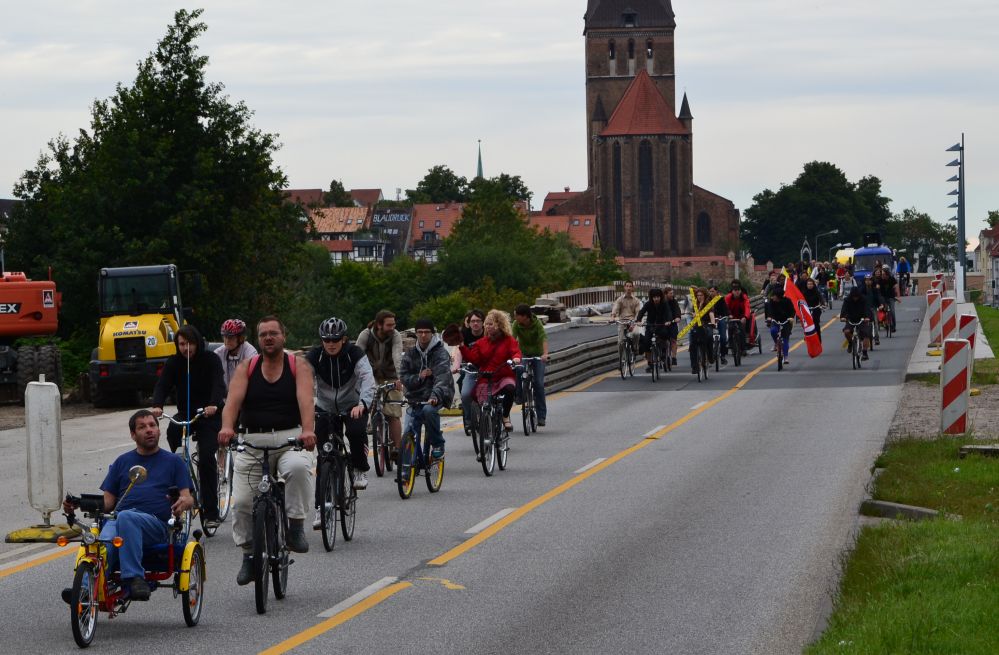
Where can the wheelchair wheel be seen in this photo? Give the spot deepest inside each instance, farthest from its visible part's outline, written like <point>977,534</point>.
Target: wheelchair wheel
<point>83,604</point>
<point>193,599</point>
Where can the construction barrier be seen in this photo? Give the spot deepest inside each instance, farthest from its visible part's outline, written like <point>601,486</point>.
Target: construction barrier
<point>948,318</point>
<point>954,387</point>
<point>939,280</point>
<point>933,310</point>
<point>967,326</point>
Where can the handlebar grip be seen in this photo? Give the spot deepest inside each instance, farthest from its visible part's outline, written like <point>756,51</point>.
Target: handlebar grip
<point>174,494</point>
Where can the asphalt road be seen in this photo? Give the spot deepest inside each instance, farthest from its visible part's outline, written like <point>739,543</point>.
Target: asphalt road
<point>711,520</point>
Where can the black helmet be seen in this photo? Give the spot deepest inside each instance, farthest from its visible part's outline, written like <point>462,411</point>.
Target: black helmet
<point>332,328</point>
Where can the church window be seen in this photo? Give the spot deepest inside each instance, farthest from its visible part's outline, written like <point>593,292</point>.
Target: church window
<point>631,48</point>
<point>645,196</point>
<point>618,202</point>
<point>703,228</point>
<point>611,50</point>
<point>648,48</point>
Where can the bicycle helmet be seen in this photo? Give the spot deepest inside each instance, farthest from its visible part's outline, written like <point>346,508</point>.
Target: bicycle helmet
<point>233,328</point>
<point>332,328</point>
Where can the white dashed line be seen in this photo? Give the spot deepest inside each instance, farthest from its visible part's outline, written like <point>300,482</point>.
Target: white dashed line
<point>590,465</point>
<point>479,527</point>
<point>370,590</point>
<point>655,429</point>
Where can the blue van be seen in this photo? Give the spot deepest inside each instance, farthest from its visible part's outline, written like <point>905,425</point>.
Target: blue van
<point>865,258</point>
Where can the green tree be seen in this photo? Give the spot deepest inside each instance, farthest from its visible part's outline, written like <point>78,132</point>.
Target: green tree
<point>511,185</point>
<point>925,242</point>
<point>440,184</point>
<point>819,200</point>
<point>337,196</point>
<point>993,218</point>
<point>170,171</point>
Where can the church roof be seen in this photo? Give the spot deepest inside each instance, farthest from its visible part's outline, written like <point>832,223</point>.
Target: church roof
<point>646,13</point>
<point>685,108</point>
<point>643,110</point>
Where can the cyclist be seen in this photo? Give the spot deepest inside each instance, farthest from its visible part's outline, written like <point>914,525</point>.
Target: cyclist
<point>382,343</point>
<point>234,349</point>
<point>813,297</point>
<point>472,331</point>
<point>904,271</point>
<point>426,374</point>
<point>857,310</point>
<point>777,310</point>
<point>624,309</point>
<point>491,353</point>
<point>533,341</point>
<point>739,309</point>
<point>143,515</point>
<point>658,316</point>
<point>674,328</point>
<point>720,311</point>
<point>276,399</point>
<point>873,300</point>
<point>888,288</point>
<point>196,376</point>
<point>700,334</point>
<point>345,388</point>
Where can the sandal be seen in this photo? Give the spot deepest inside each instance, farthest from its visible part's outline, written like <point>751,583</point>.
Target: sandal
<point>507,424</point>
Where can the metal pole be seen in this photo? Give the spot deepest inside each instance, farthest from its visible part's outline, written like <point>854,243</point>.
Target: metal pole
<point>960,277</point>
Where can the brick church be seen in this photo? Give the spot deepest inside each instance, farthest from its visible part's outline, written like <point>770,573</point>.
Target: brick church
<point>639,150</point>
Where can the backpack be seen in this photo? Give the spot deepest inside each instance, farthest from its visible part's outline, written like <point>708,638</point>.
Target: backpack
<point>256,359</point>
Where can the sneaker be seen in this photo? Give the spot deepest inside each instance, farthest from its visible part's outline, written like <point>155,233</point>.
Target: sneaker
<point>864,357</point>
<point>361,481</point>
<point>507,424</point>
<point>245,575</point>
<point>437,452</point>
<point>138,589</point>
<point>787,361</point>
<point>541,422</point>
<point>212,524</point>
<point>296,537</point>
<point>317,523</point>
<point>774,349</point>
<point>674,360</point>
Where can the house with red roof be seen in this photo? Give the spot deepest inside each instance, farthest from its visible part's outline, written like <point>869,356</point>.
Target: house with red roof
<point>582,230</point>
<point>430,225</point>
<point>366,197</point>
<point>346,233</point>
<point>306,197</point>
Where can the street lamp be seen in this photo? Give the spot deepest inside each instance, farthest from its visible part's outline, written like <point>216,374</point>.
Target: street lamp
<point>838,245</point>
<point>960,280</point>
<point>836,231</point>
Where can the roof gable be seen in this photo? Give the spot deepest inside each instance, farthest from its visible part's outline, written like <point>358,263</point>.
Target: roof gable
<point>582,229</point>
<point>338,220</point>
<point>365,197</point>
<point>643,111</point>
<point>306,197</point>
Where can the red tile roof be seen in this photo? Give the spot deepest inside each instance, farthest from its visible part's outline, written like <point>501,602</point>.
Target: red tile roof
<point>643,111</point>
<point>305,196</point>
<point>556,198</point>
<point>366,197</point>
<point>582,230</point>
<point>337,245</point>
<point>333,220</point>
<point>447,213</point>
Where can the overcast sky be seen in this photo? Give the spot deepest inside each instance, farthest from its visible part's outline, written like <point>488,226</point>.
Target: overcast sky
<point>375,93</point>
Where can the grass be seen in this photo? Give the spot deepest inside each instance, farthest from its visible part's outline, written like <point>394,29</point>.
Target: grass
<point>988,318</point>
<point>986,371</point>
<point>928,586</point>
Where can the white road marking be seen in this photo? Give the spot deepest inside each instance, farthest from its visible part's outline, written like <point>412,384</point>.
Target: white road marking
<point>700,404</point>
<point>590,465</point>
<point>370,590</point>
<point>31,558</point>
<point>23,549</point>
<point>655,429</point>
<point>118,447</point>
<point>479,527</point>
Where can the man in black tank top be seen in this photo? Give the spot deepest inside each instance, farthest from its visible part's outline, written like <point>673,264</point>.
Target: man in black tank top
<point>276,399</point>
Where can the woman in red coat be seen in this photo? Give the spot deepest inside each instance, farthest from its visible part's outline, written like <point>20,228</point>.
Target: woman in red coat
<point>490,353</point>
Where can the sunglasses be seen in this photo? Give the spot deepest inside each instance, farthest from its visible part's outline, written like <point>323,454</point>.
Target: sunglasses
<point>332,339</point>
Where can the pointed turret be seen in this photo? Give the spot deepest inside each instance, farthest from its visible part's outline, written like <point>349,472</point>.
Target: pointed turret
<point>599,118</point>
<point>685,116</point>
<point>478,170</point>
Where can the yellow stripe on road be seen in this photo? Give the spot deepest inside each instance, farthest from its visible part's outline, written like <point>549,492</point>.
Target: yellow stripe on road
<point>44,559</point>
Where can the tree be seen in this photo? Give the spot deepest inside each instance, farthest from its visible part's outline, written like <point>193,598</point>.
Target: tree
<point>337,196</point>
<point>170,171</point>
<point>993,218</point>
<point>925,242</point>
<point>510,185</point>
<point>440,184</point>
<point>819,200</point>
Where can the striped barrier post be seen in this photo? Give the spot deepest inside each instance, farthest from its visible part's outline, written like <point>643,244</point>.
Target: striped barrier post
<point>954,387</point>
<point>948,318</point>
<point>939,277</point>
<point>933,309</point>
<point>967,326</point>
<point>936,285</point>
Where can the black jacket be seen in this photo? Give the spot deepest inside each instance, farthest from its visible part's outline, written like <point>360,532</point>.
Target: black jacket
<point>207,381</point>
<point>656,315</point>
<point>779,311</point>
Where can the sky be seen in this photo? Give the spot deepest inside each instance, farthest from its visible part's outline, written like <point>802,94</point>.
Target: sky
<point>375,93</point>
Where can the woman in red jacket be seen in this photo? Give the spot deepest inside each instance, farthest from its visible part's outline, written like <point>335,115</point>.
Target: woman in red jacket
<point>490,353</point>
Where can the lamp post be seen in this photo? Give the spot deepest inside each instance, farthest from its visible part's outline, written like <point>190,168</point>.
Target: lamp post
<point>822,234</point>
<point>838,245</point>
<point>959,275</point>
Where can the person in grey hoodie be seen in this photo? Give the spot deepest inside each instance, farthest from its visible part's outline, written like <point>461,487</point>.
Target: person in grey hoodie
<point>426,375</point>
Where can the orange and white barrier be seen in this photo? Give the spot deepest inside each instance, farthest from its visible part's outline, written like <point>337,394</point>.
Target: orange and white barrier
<point>939,277</point>
<point>954,386</point>
<point>967,326</point>
<point>933,313</point>
<point>948,318</point>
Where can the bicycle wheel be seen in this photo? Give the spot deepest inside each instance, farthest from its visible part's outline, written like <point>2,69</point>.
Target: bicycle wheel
<point>280,555</point>
<point>622,360</point>
<point>378,443</point>
<point>527,407</point>
<point>716,351</point>
<point>487,442</point>
<point>406,475</point>
<point>327,510</point>
<point>196,493</point>
<point>664,359</point>
<point>83,604</point>
<point>347,502</point>
<point>630,350</point>
<point>780,354</point>
<point>193,599</point>
<point>656,358</point>
<point>261,560</point>
<point>856,353</point>
<point>473,429</point>
<point>225,485</point>
<point>704,362</point>
<point>434,473</point>
<point>735,343</point>
<point>502,447</point>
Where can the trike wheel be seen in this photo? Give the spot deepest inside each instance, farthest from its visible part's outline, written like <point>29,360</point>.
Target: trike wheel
<point>193,599</point>
<point>261,580</point>
<point>83,604</point>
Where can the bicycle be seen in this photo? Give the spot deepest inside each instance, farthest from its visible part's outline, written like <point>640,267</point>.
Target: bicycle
<point>626,351</point>
<point>470,422</point>
<point>98,589</point>
<point>335,479</point>
<point>270,527</point>
<point>191,459</point>
<point>380,439</point>
<point>700,355</point>
<point>884,321</point>
<point>493,439</point>
<point>225,473</point>
<point>780,340</point>
<point>856,343</point>
<point>528,410</point>
<point>658,361</point>
<point>415,456</point>
<point>736,335</point>
<point>715,350</point>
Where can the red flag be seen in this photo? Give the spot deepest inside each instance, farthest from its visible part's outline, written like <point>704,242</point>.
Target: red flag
<point>812,342</point>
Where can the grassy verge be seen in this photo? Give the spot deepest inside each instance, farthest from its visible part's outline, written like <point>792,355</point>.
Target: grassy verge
<point>986,371</point>
<point>930,586</point>
<point>988,317</point>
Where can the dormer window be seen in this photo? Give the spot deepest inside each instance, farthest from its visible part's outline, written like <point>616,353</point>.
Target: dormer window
<point>629,18</point>
<point>611,50</point>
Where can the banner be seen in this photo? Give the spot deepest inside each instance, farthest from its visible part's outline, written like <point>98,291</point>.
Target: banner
<point>793,293</point>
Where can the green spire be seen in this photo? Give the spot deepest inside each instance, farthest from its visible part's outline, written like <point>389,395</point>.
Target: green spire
<point>478,171</point>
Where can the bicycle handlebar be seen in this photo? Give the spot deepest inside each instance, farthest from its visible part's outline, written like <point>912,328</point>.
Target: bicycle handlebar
<point>242,443</point>
<point>197,414</point>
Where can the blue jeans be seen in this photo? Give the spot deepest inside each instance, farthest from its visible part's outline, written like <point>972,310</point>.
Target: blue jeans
<point>468,392</point>
<point>538,367</point>
<point>774,327</point>
<point>136,529</point>
<point>723,333</point>
<point>428,416</point>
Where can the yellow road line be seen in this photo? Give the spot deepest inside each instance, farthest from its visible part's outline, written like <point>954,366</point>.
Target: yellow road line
<point>336,619</point>
<point>44,559</point>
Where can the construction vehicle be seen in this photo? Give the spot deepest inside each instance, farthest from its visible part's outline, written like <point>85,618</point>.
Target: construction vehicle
<point>141,311</point>
<point>28,308</point>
